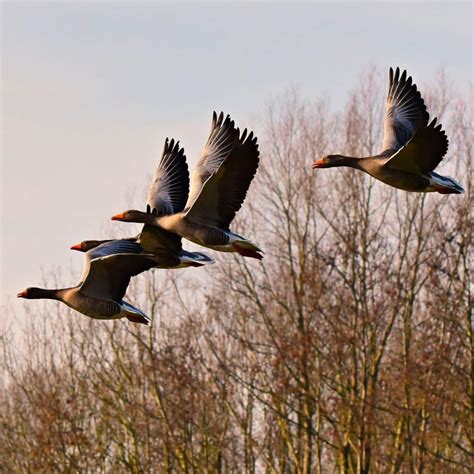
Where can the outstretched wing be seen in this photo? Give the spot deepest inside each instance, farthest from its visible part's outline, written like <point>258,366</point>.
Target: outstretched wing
<point>109,267</point>
<point>423,152</point>
<point>405,111</point>
<point>222,138</point>
<point>169,191</point>
<point>224,192</point>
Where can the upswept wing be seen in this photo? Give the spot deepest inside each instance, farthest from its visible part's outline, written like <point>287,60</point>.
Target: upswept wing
<point>109,267</point>
<point>169,191</point>
<point>224,192</point>
<point>405,111</point>
<point>222,138</point>
<point>423,152</point>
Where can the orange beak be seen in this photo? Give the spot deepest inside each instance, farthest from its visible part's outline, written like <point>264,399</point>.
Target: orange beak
<point>22,294</point>
<point>118,217</point>
<point>318,164</point>
<point>76,247</point>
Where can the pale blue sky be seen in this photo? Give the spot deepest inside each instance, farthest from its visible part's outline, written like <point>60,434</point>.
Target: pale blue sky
<point>91,90</point>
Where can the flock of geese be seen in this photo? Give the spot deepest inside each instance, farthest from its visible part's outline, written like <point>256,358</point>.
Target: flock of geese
<point>412,148</point>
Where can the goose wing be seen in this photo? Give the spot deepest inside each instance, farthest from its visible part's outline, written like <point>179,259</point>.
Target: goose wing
<point>224,192</point>
<point>169,191</point>
<point>109,267</point>
<point>423,152</point>
<point>404,112</point>
<point>222,138</point>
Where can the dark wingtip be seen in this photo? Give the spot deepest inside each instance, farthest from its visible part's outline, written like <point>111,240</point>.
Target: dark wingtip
<point>228,121</point>
<point>175,147</point>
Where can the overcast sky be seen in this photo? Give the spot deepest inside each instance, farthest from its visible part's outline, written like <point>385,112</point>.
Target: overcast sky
<point>91,90</point>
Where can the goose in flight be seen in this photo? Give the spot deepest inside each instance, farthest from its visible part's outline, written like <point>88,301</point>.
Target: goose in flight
<point>165,246</point>
<point>412,145</point>
<point>166,249</point>
<point>220,182</point>
<point>106,274</point>
<point>172,177</point>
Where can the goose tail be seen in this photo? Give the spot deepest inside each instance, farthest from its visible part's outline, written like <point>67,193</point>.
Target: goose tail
<point>133,314</point>
<point>445,184</point>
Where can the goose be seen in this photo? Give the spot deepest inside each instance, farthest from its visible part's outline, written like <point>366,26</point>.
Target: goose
<point>412,145</point>
<point>106,274</point>
<point>165,257</point>
<point>165,246</point>
<point>220,182</point>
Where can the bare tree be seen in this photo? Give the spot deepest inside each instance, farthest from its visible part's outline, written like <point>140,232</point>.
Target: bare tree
<point>350,348</point>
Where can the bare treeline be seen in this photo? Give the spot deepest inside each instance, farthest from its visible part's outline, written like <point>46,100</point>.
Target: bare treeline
<point>350,348</point>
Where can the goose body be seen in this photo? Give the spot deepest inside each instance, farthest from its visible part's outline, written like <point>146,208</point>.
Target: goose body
<point>164,256</point>
<point>107,271</point>
<point>208,236</point>
<point>96,308</point>
<point>410,181</point>
<point>220,182</point>
<point>412,145</point>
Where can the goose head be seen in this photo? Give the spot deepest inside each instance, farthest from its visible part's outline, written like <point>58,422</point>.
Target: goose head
<point>329,161</point>
<point>25,293</point>
<point>33,293</point>
<point>86,245</point>
<point>135,216</point>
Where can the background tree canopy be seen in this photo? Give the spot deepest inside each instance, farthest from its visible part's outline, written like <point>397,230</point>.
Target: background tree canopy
<point>350,348</point>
